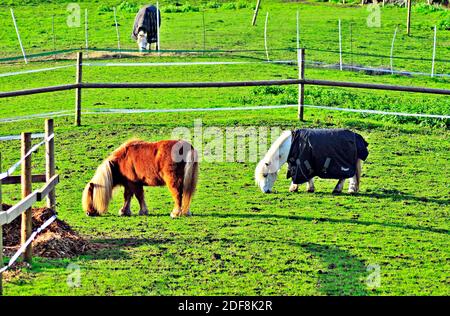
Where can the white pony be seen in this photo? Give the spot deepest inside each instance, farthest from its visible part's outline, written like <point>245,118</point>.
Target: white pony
<point>266,171</point>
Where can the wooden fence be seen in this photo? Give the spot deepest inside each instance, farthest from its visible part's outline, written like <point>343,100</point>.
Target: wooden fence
<point>29,197</point>
<point>79,85</point>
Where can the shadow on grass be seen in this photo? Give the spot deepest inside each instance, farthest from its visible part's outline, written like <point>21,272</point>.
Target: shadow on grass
<point>342,273</point>
<point>400,196</point>
<point>331,220</point>
<point>393,195</point>
<point>115,248</point>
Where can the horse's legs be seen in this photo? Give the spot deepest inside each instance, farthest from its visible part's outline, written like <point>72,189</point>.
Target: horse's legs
<point>355,181</point>
<point>339,186</point>
<point>310,186</point>
<point>352,186</point>
<point>139,192</point>
<point>177,194</point>
<point>128,194</point>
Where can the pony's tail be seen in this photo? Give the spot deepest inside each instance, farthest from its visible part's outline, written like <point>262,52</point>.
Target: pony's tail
<point>98,192</point>
<point>190,180</point>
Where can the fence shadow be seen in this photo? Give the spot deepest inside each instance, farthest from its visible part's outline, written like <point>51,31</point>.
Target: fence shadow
<point>324,219</point>
<point>341,273</point>
<point>393,195</point>
<point>400,196</point>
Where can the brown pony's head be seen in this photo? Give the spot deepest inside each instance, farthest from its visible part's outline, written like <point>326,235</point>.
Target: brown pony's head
<point>88,205</point>
<point>98,191</point>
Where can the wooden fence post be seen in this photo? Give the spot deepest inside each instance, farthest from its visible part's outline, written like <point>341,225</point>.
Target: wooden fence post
<point>255,15</point>
<point>1,232</point>
<point>27,225</point>
<point>301,87</point>
<point>408,18</point>
<point>78,90</point>
<point>50,161</point>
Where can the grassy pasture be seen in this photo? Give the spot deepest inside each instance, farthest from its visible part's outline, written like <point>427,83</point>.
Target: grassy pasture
<point>240,241</point>
<point>230,29</point>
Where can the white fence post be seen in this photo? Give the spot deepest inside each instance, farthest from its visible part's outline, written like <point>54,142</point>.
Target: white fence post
<point>340,46</point>
<point>50,161</point>
<point>298,31</point>
<point>18,37</point>
<point>86,29</point>
<point>301,87</point>
<point>157,25</point>
<point>53,36</point>
<point>1,232</point>
<point>204,32</point>
<point>265,36</point>
<point>434,51</point>
<point>392,50</point>
<point>117,32</point>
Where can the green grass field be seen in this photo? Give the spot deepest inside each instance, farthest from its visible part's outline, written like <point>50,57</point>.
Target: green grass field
<point>230,29</point>
<point>240,241</point>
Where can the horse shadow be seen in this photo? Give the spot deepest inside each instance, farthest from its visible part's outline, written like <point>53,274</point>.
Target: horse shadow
<point>341,273</point>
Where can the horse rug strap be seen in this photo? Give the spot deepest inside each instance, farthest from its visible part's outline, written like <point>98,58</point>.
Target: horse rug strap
<point>146,20</point>
<point>326,153</point>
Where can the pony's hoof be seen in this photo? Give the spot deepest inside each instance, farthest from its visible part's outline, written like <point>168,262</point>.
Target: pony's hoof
<point>125,213</point>
<point>310,191</point>
<point>143,212</point>
<point>175,213</point>
<point>336,192</point>
<point>293,188</point>
<point>352,191</point>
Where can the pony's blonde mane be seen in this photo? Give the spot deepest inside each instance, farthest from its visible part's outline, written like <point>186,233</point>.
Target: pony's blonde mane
<point>103,189</point>
<point>270,154</point>
<point>277,144</point>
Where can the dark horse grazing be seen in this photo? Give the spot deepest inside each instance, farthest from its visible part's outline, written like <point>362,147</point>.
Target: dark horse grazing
<point>145,28</point>
<point>136,164</point>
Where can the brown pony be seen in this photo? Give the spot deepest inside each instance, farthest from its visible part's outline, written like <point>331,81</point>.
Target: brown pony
<point>136,164</point>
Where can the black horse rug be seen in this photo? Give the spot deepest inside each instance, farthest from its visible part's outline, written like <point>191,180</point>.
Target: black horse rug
<point>326,153</point>
<point>146,20</point>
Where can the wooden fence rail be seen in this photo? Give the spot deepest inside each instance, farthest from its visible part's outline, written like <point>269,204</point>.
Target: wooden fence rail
<point>174,85</point>
<point>23,208</point>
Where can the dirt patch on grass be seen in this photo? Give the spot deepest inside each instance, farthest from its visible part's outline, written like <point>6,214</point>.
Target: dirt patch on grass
<point>58,240</point>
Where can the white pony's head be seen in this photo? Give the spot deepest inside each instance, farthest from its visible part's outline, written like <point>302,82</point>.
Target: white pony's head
<point>266,171</point>
<point>266,175</point>
<point>142,40</point>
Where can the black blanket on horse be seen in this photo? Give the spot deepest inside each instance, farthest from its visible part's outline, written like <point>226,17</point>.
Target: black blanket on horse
<point>146,20</point>
<point>326,153</point>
